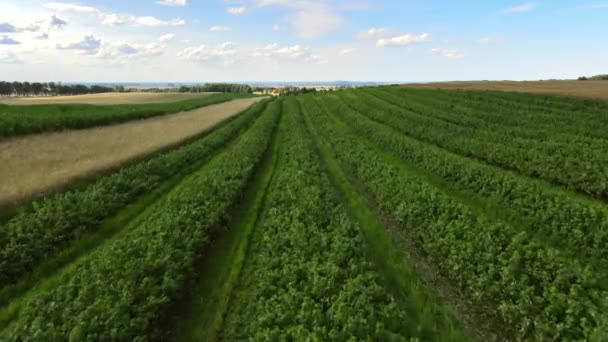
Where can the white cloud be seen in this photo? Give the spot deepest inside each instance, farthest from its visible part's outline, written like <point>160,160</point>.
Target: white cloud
<point>275,50</point>
<point>8,28</point>
<point>42,36</point>
<point>225,54</point>
<point>152,21</point>
<point>375,33</point>
<point>53,22</point>
<point>315,59</point>
<point>9,57</point>
<point>122,52</point>
<point>311,18</point>
<point>277,27</point>
<point>89,45</point>
<point>520,8</point>
<point>180,3</point>
<point>67,7</point>
<point>316,23</point>
<point>114,19</point>
<point>236,10</point>
<point>447,53</point>
<point>403,40</point>
<point>293,53</point>
<point>166,37</point>
<point>262,3</point>
<point>346,51</point>
<point>485,40</point>
<point>220,29</point>
<point>57,23</point>
<point>6,40</point>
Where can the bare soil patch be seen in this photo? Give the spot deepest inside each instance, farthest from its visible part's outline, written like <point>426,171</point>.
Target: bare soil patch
<point>584,89</point>
<point>34,165</point>
<point>103,99</point>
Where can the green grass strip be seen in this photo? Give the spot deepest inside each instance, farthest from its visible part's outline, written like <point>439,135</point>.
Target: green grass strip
<point>221,268</point>
<point>389,260</point>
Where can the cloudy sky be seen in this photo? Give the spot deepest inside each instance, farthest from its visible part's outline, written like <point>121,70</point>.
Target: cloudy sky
<point>301,40</point>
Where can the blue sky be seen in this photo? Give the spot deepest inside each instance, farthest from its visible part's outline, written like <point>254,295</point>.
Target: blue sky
<point>301,40</point>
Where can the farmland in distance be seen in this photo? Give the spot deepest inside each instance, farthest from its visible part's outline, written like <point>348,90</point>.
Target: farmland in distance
<point>103,98</point>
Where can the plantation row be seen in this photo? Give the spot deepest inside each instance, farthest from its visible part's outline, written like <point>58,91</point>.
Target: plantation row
<point>35,235</point>
<point>308,276</point>
<point>539,205</point>
<point>367,214</point>
<point>497,261</point>
<point>120,291</point>
<point>306,269</point>
<point>577,162</point>
<point>542,114</point>
<point>20,120</point>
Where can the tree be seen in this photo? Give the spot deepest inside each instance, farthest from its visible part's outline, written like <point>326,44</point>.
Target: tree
<point>37,88</point>
<point>27,88</point>
<point>6,88</point>
<point>53,88</point>
<point>226,88</point>
<point>18,88</point>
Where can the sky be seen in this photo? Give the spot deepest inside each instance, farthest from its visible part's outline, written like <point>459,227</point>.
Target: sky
<point>301,40</point>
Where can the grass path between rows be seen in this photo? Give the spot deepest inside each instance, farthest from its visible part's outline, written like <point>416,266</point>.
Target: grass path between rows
<point>551,184</point>
<point>202,316</point>
<point>405,282</point>
<point>48,274</point>
<point>487,206</point>
<point>478,320</point>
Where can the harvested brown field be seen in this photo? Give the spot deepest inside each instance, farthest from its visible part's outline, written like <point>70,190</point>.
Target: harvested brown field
<point>584,89</point>
<point>34,165</point>
<point>103,99</point>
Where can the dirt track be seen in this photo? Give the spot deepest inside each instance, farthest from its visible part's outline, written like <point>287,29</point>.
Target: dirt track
<point>33,165</point>
<point>586,89</point>
<point>104,99</point>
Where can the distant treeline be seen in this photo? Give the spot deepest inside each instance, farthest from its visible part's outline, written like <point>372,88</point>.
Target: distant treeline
<point>596,77</point>
<point>217,87</point>
<point>296,90</point>
<point>50,88</point>
<point>57,88</point>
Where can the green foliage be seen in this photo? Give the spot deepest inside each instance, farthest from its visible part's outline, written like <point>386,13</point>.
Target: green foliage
<point>307,277</point>
<point>217,87</point>
<point>541,149</point>
<point>122,289</point>
<point>33,235</point>
<point>541,292</point>
<point>599,77</point>
<point>584,231</point>
<point>51,88</point>
<point>287,91</point>
<point>20,120</point>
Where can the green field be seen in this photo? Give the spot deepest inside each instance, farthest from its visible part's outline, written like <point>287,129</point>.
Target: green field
<point>21,120</point>
<point>381,213</point>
